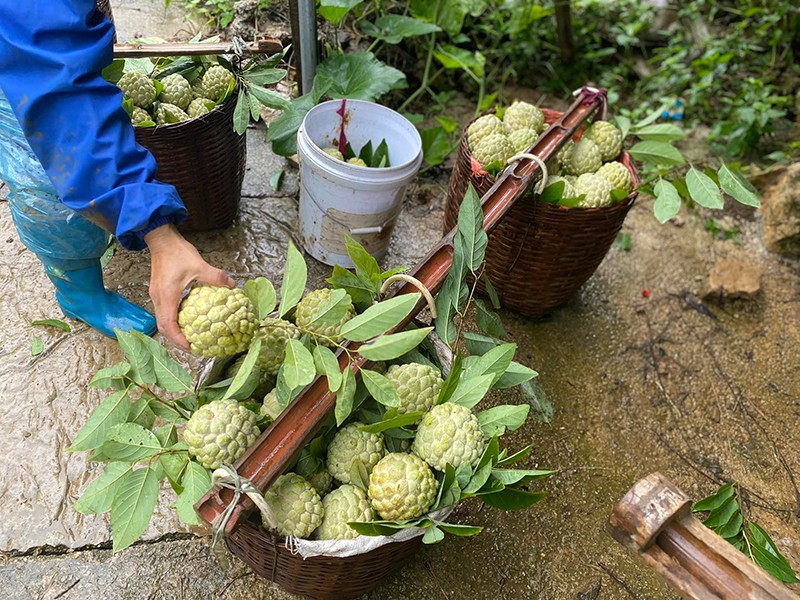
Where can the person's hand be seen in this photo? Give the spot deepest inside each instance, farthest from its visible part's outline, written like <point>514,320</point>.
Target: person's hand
<point>175,264</point>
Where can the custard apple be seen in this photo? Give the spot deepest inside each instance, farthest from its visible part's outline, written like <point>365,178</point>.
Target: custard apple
<point>334,152</point>
<point>321,480</point>
<point>306,312</point>
<point>351,444</point>
<point>140,115</point>
<point>493,148</point>
<point>138,87</point>
<point>402,486</point>
<point>274,334</point>
<point>481,127</point>
<point>597,189</point>
<point>220,432</point>
<point>521,139</point>
<point>347,504</point>
<point>176,91</point>
<point>270,407</point>
<point>216,82</point>
<point>200,106</point>
<point>295,504</point>
<point>608,138</point>
<point>449,433</point>
<point>569,189</point>
<point>198,91</point>
<point>417,386</point>
<point>359,162</point>
<point>617,174</point>
<point>584,157</point>
<point>167,114</point>
<point>265,381</point>
<point>522,115</point>
<point>562,158</point>
<point>217,321</point>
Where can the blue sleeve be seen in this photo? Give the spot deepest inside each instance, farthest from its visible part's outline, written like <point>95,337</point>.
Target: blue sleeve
<point>52,53</point>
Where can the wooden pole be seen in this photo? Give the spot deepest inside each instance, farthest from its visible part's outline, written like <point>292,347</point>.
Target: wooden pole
<point>265,46</point>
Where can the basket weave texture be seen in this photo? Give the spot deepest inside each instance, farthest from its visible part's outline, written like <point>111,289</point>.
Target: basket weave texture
<point>318,577</point>
<point>540,254</point>
<point>204,158</point>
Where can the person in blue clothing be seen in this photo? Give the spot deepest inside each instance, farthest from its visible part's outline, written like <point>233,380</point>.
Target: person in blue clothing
<point>75,173</point>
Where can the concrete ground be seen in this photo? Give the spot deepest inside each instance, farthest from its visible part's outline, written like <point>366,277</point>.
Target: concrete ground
<point>704,394</point>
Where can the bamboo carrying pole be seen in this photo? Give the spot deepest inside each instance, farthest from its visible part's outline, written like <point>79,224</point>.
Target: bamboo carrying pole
<point>655,522</point>
<point>265,46</point>
<point>300,422</point>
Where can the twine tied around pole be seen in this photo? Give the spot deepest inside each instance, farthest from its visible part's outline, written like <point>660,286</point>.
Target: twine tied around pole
<point>592,94</point>
<point>227,477</point>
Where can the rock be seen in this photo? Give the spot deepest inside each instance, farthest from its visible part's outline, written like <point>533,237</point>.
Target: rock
<point>733,278</point>
<point>780,207</point>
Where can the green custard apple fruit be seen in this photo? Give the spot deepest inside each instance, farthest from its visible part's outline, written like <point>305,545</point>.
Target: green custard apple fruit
<point>617,174</point>
<point>495,147</point>
<point>334,152</point>
<point>346,504</point>
<point>216,82</point>
<point>359,162</point>
<point>607,137</point>
<point>198,91</point>
<point>200,106</point>
<point>417,386</point>
<point>177,91</point>
<point>597,189</point>
<point>270,407</point>
<point>569,189</point>
<point>219,433</point>
<point>483,126</point>
<point>351,444</point>
<point>321,480</point>
<point>140,115</point>
<point>296,506</point>
<point>274,334</point>
<point>217,321</point>
<point>522,139</point>
<point>401,487</point>
<point>522,115</point>
<point>167,114</point>
<point>139,88</point>
<point>306,314</point>
<point>584,157</point>
<point>449,434</point>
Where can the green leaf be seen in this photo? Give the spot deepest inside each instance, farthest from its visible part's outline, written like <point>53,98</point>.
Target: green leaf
<point>624,124</point>
<point>494,421</point>
<point>133,506</point>
<point>452,57</point>
<point>448,15</point>
<point>436,145</point>
<point>298,365</point>
<point>166,412</point>
<point>141,413</point>
<point>494,362</point>
<point>333,310</point>
<point>432,535</point>
<point>736,186</point>
<point>53,323</point>
<point>167,435</point>
<point>196,482</point>
<point>470,229</point>
<point>716,500</point>
<point>478,344</point>
<point>359,476</point>
<point>262,294</point>
<point>170,375</point>
<point>264,75</point>
<point>768,557</point>
<point>394,28</point>
<point>660,132</point>
<point>326,364</point>
<point>130,442</point>
<point>295,275</point>
<point>364,263</point>
<point>361,290</point>
<point>335,10</point>
<point>282,131</point>
<point>484,468</point>
<point>110,412</point>
<point>393,422</point>
<point>358,76</point>
<point>110,376</point>
<point>660,154</point>
<point>276,181</point>
<point>510,477</point>
<point>391,346</point>
<point>138,356</point>
<point>515,375</point>
<point>243,382</point>
<point>703,190</point>
<point>268,98</point>
<point>516,457</point>
<point>241,114</point>
<point>512,499</point>
<point>536,397</point>
<point>668,201</point>
<point>99,495</point>
<point>174,465</point>
<point>487,321</point>
<point>490,291</point>
<point>344,396</point>
<point>471,389</point>
<point>37,347</point>
<point>451,383</point>
<point>379,318</point>
<point>460,530</point>
<point>380,388</point>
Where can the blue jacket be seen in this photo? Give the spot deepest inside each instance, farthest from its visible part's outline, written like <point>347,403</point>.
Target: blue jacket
<point>52,53</point>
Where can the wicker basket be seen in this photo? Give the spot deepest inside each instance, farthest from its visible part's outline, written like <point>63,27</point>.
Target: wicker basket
<point>541,253</point>
<point>318,577</point>
<point>205,160</point>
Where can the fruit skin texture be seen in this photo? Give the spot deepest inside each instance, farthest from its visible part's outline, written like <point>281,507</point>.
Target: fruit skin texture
<point>342,506</point>
<point>216,81</point>
<point>270,407</point>
<point>449,433</point>
<point>584,158</point>
<point>274,334</point>
<point>199,106</point>
<point>139,115</point>
<point>305,313</point>
<point>322,481</point>
<point>617,174</point>
<point>521,139</point>
<point>417,386</point>
<point>402,487</point>
<point>522,115</point>
<point>569,189</point>
<point>217,321</point>
<point>296,505</point>
<point>220,432</point>
<point>351,444</point>
<point>597,189</point>
<point>483,126</point>
<point>138,87</point>
<point>608,138</point>
<point>167,114</point>
<point>331,151</point>
<point>357,161</point>
<point>198,91</point>
<point>492,148</point>
<point>176,91</point>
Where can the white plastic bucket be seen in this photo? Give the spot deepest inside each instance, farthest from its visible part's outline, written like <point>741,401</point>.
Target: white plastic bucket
<point>337,198</point>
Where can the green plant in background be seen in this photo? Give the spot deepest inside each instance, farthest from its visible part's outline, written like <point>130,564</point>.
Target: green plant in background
<point>218,13</point>
<point>726,519</point>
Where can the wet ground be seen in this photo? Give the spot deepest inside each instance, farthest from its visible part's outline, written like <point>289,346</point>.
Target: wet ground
<point>703,393</point>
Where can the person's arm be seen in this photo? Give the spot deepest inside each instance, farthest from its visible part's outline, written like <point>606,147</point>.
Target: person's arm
<point>52,53</point>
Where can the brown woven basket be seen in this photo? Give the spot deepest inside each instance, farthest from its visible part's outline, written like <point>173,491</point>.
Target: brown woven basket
<point>204,158</point>
<point>541,253</point>
<point>318,577</point>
